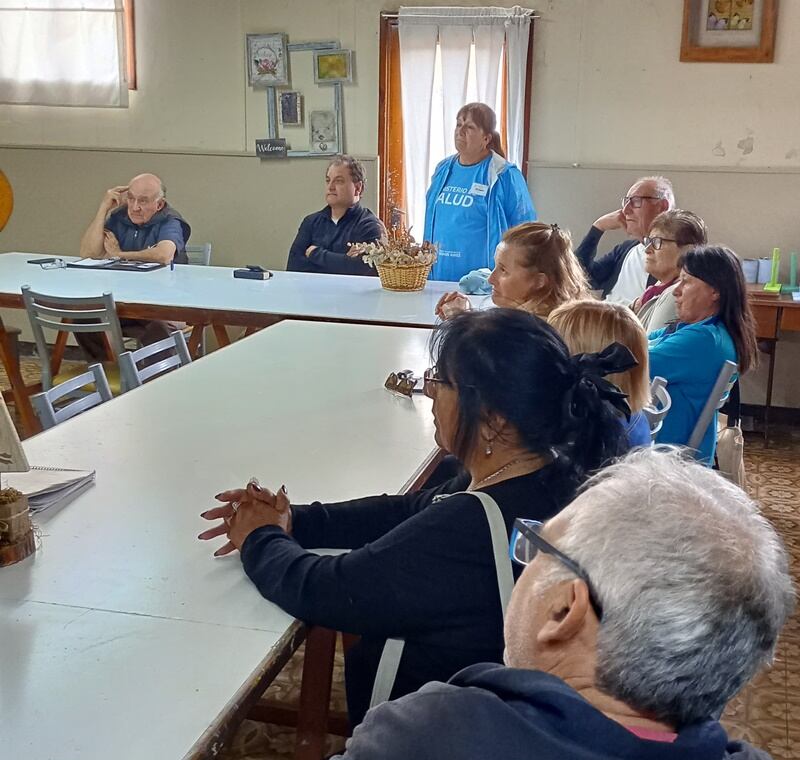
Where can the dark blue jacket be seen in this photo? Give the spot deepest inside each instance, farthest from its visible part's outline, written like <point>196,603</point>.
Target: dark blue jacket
<point>166,224</point>
<point>491,711</point>
<point>358,225</point>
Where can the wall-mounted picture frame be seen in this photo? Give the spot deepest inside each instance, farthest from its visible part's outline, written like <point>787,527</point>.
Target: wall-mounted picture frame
<point>323,132</point>
<point>267,60</point>
<point>332,66</point>
<point>290,108</point>
<point>729,31</point>
<point>329,97</point>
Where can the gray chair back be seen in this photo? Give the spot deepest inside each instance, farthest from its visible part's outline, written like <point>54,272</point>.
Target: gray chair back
<point>133,376</point>
<point>719,393</point>
<point>44,403</point>
<point>660,404</point>
<point>74,315</point>
<point>199,255</point>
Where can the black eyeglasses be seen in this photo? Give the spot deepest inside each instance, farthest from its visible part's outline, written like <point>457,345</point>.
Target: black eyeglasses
<point>656,242</point>
<point>637,200</point>
<point>526,542</point>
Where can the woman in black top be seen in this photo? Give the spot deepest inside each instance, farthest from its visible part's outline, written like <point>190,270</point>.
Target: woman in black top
<point>527,421</point>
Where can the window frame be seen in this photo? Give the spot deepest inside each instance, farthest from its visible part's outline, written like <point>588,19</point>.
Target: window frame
<point>390,118</point>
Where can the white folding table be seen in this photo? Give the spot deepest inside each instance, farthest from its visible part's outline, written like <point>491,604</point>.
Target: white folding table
<point>203,296</point>
<point>122,636</point>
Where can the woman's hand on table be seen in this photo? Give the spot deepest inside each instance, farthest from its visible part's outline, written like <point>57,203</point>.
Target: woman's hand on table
<point>451,304</point>
<point>245,510</point>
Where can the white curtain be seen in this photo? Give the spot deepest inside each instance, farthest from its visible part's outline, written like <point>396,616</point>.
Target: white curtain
<point>449,57</point>
<point>62,52</point>
<point>417,64</point>
<point>518,29</point>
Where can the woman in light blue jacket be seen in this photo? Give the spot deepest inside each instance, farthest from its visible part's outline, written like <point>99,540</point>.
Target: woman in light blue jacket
<point>474,197</point>
<point>715,325</point>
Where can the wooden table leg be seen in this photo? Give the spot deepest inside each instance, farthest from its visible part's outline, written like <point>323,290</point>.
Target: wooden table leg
<point>30,423</point>
<point>315,694</point>
<point>221,334</point>
<point>195,339</point>
<point>57,355</point>
<point>770,379</point>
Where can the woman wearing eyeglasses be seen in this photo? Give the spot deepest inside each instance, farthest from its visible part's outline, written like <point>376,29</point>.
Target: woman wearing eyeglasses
<point>527,421</point>
<point>671,235</point>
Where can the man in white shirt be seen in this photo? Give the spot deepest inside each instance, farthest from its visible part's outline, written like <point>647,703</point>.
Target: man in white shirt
<point>620,274</point>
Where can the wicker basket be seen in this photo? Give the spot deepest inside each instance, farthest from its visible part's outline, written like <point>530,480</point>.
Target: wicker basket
<point>408,277</point>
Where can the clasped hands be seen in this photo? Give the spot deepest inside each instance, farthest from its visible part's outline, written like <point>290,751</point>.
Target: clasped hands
<point>451,304</point>
<point>243,511</point>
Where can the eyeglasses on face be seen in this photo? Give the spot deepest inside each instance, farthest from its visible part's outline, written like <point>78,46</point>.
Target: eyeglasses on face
<point>526,541</point>
<point>656,242</point>
<point>636,201</point>
<point>430,382</point>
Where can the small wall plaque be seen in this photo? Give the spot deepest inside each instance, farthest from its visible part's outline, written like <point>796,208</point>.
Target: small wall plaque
<point>275,148</point>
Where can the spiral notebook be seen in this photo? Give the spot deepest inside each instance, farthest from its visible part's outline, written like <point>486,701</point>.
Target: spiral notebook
<point>48,487</point>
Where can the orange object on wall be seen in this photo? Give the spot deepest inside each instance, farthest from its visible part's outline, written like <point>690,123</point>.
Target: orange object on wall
<point>6,200</point>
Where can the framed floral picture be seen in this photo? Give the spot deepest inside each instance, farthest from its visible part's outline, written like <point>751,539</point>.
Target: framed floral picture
<point>267,60</point>
<point>729,31</point>
<point>333,66</point>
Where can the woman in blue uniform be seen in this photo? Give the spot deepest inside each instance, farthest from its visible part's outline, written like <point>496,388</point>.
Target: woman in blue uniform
<point>474,197</point>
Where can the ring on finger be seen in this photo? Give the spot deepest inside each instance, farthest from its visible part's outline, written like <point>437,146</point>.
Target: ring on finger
<point>235,506</point>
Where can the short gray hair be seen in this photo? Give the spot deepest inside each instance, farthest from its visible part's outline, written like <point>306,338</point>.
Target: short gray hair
<point>663,188</point>
<point>693,581</point>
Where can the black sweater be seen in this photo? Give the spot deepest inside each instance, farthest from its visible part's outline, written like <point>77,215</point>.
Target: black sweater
<point>358,225</point>
<point>421,569</point>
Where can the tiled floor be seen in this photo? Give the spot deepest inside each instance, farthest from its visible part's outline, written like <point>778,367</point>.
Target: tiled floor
<point>766,713</point>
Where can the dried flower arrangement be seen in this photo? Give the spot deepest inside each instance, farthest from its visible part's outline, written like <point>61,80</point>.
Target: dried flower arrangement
<point>399,249</point>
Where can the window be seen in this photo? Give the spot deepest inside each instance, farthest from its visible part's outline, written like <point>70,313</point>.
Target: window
<point>66,52</point>
<point>455,56</point>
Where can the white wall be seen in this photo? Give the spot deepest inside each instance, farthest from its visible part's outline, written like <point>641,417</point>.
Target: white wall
<point>610,101</point>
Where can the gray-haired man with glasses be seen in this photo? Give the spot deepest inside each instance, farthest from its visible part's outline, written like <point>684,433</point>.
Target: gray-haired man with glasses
<point>620,274</point>
<point>645,606</point>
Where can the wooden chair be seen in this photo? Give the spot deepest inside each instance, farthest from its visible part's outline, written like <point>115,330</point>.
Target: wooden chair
<point>660,404</point>
<point>66,315</point>
<point>719,393</point>
<point>45,403</point>
<point>133,376</point>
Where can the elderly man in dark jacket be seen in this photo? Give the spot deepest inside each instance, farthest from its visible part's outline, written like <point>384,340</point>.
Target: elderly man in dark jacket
<point>646,605</point>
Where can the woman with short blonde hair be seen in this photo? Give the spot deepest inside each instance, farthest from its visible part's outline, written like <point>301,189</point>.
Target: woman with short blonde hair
<point>588,326</point>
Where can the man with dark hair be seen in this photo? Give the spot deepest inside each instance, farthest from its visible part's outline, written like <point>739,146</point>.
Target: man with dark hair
<point>620,274</point>
<point>646,605</point>
<point>324,238</point>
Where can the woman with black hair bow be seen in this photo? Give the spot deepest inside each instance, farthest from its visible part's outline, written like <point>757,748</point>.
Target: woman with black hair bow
<point>528,422</point>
